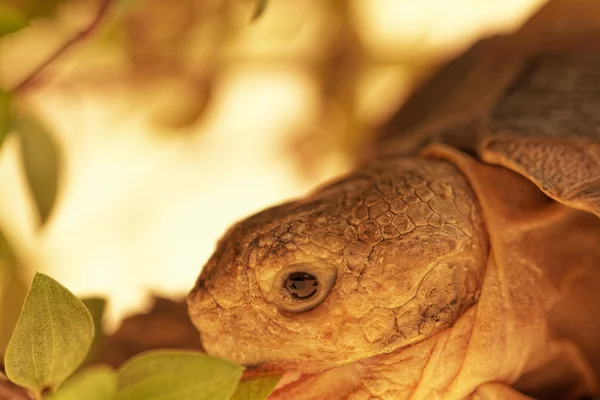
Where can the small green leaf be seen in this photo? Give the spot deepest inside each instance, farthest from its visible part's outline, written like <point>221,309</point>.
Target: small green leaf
<point>52,337</point>
<point>4,112</point>
<point>40,160</point>
<point>93,383</point>
<point>95,306</point>
<point>12,19</point>
<point>176,375</point>
<point>255,387</point>
<point>261,5</point>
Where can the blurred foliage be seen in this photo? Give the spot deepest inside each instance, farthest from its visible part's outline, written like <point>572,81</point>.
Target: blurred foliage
<point>40,158</point>
<point>33,8</point>
<point>260,8</point>
<point>4,115</point>
<point>18,14</point>
<point>96,306</point>
<point>12,292</point>
<point>11,19</point>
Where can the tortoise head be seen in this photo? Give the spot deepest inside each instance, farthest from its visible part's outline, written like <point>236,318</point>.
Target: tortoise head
<point>381,259</point>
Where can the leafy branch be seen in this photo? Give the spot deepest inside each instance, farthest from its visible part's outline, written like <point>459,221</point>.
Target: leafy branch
<point>81,35</point>
<point>40,155</point>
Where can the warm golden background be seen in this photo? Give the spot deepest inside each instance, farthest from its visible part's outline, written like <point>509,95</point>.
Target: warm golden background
<point>177,117</point>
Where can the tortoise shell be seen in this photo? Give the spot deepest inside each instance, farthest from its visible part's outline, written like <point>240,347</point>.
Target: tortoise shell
<point>528,102</point>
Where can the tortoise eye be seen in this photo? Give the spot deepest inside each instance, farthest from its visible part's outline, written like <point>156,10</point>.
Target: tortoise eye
<point>301,285</point>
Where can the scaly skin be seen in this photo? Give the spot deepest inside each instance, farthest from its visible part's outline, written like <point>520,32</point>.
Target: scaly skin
<point>405,239</point>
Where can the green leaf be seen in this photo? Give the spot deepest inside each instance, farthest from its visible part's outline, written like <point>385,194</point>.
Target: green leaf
<point>17,14</point>
<point>41,162</point>
<point>177,375</point>
<point>93,383</point>
<point>6,252</point>
<point>52,337</point>
<point>12,292</point>
<point>39,8</point>
<point>95,306</point>
<point>4,111</point>
<point>261,5</point>
<point>256,387</point>
<point>12,19</point>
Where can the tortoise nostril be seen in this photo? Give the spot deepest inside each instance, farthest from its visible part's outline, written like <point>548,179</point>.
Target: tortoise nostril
<point>200,284</point>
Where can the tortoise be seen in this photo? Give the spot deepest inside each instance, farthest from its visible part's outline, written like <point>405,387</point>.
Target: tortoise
<point>459,260</point>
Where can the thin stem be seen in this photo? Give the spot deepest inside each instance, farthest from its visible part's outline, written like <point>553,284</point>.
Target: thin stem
<point>83,34</point>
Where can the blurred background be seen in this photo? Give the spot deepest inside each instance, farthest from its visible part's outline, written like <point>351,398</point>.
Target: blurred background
<point>172,119</point>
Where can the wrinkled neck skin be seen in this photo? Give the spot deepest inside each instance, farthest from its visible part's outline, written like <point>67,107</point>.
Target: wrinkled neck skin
<point>448,365</point>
